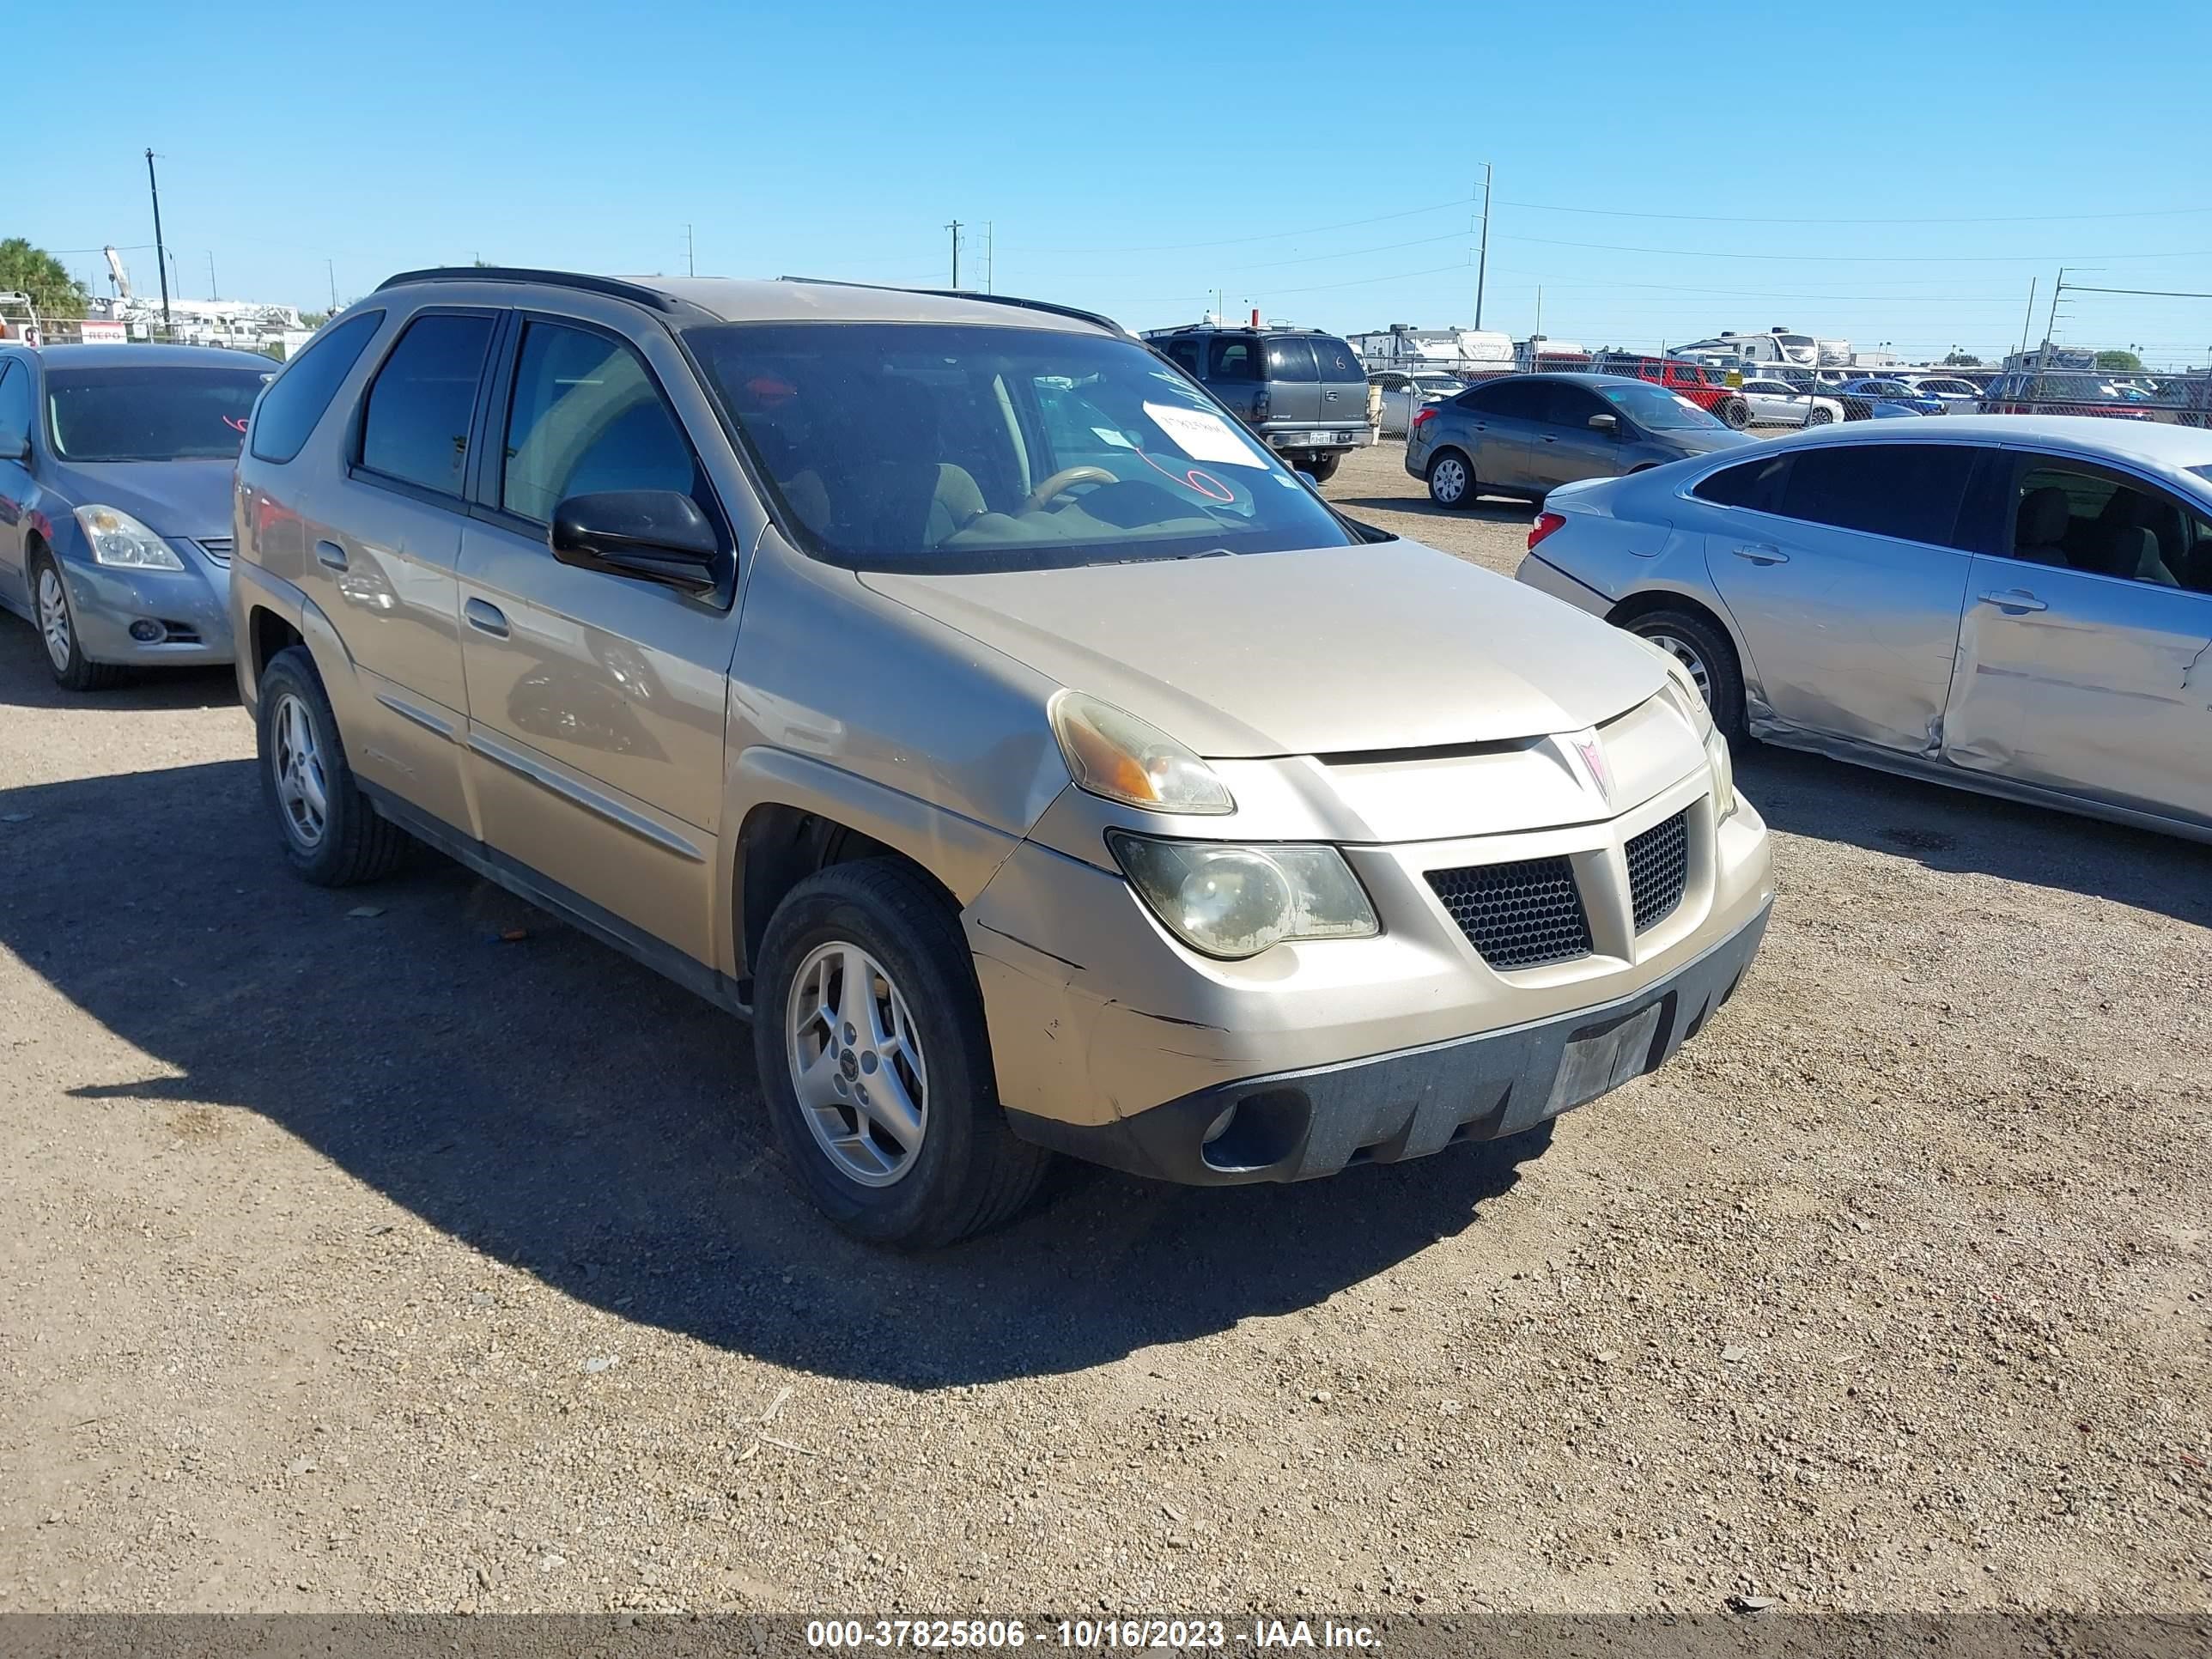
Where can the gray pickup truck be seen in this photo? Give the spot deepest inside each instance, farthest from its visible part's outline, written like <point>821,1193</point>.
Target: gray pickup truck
<point>1304,392</point>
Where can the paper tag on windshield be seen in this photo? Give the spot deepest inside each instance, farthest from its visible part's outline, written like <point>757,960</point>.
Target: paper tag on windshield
<point>1202,435</point>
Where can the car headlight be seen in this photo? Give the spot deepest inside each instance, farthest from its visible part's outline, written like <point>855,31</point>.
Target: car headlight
<point>1110,752</point>
<point>1234,902</point>
<point>1723,765</point>
<point>118,540</point>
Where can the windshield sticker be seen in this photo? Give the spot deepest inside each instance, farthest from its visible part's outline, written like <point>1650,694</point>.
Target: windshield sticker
<point>1202,435</point>
<point>1106,435</point>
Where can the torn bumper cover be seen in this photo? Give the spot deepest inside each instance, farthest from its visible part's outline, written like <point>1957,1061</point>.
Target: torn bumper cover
<point>1294,1126</point>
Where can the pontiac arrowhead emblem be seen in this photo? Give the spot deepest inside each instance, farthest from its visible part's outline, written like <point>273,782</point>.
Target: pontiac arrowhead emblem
<point>1586,744</point>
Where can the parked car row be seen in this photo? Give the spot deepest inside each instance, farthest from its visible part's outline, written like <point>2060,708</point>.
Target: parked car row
<point>970,695</point>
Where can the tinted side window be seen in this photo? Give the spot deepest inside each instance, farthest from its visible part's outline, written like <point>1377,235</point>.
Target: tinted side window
<point>1337,362</point>
<point>296,398</point>
<point>2087,518</point>
<point>19,404</point>
<point>417,427</point>
<point>1518,400</point>
<point>1912,491</point>
<point>1290,360</point>
<point>1235,359</point>
<point>1568,405</point>
<point>1185,353</point>
<point>1755,484</point>
<point>587,416</point>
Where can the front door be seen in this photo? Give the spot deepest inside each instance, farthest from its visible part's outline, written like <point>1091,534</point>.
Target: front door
<point>2085,657</point>
<point>1565,445</point>
<point>1843,568</point>
<point>596,702</point>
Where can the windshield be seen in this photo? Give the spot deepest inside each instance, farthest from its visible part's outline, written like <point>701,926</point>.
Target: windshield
<point>1655,408</point>
<point>150,413</point>
<point>961,447</point>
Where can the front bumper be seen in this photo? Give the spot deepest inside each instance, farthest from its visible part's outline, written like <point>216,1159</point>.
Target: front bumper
<point>190,606</point>
<point>1294,1126</point>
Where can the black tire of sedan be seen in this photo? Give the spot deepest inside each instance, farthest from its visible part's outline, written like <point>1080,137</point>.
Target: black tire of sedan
<point>1707,652</point>
<point>1451,480</point>
<point>332,834</point>
<point>1819,416</point>
<point>1735,413</point>
<point>55,620</point>
<point>1320,468</point>
<point>875,1061</point>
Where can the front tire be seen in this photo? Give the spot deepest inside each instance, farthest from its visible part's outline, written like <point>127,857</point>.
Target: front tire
<point>332,834</point>
<point>1451,480</point>
<point>1703,649</point>
<point>1820,417</point>
<point>869,1035</point>
<point>57,623</point>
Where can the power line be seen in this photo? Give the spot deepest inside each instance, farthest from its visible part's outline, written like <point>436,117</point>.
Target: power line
<point>1944,219</point>
<point>2147,292</point>
<point>1859,259</point>
<point>1271,236</point>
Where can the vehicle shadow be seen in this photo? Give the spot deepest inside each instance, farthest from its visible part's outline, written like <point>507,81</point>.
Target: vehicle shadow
<point>549,1102</point>
<point>1958,831</point>
<point>25,682</point>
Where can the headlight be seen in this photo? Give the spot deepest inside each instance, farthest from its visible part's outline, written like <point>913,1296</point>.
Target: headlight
<point>1110,752</point>
<point>1225,901</point>
<point>1723,769</point>
<point>117,538</point>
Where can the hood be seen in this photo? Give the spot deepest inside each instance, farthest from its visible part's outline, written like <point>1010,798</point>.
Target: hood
<point>1390,645</point>
<point>1703,441</point>
<point>191,499</point>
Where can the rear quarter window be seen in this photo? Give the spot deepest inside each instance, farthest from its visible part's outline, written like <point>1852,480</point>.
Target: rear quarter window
<point>296,398</point>
<point>1755,484</point>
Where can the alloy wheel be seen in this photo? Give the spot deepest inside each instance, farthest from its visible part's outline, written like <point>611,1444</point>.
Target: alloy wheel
<point>54,618</point>
<point>1448,479</point>
<point>857,1064</point>
<point>302,784</point>
<point>1686,654</point>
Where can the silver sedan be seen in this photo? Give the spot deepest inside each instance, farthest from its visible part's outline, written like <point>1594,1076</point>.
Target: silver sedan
<point>2018,604</point>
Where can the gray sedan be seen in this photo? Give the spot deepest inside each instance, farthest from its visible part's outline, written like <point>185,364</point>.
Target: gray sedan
<point>115,501</point>
<point>2020,604</point>
<point>1524,434</point>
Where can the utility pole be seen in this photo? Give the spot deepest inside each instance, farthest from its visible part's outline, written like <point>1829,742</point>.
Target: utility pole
<point>954,228</point>
<point>990,255</point>
<point>2028,321</point>
<point>213,292</point>
<point>690,261</point>
<point>161,252</point>
<point>1482,261</point>
<point>331,272</point>
<point>2051,323</point>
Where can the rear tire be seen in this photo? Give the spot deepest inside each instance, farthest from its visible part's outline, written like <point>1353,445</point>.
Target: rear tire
<point>332,834</point>
<point>55,617</point>
<point>1320,468</point>
<point>1735,413</point>
<point>1451,480</point>
<point>866,978</point>
<point>1706,652</point>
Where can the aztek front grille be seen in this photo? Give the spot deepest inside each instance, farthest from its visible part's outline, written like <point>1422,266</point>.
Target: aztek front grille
<point>1518,916</point>
<point>1658,870</point>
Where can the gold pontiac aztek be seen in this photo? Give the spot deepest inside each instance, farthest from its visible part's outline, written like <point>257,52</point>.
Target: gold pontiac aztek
<point>948,682</point>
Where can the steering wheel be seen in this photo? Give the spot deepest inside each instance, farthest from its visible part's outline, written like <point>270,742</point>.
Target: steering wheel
<point>1066,479</point>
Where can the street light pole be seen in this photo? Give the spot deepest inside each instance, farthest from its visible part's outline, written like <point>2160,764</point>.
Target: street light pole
<point>161,252</point>
<point>954,228</point>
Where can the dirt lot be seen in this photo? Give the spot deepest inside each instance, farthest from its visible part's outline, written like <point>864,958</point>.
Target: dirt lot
<point>351,1257</point>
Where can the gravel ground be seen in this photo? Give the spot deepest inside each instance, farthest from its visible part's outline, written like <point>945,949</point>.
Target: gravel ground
<point>353,1256</point>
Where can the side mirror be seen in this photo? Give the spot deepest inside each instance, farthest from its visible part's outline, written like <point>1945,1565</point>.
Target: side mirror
<point>656,535</point>
<point>1605,423</point>
<point>15,446</point>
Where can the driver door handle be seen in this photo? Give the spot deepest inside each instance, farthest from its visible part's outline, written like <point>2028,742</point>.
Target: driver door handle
<point>1761,553</point>
<point>331,554</point>
<point>2017,600</point>
<point>486,618</point>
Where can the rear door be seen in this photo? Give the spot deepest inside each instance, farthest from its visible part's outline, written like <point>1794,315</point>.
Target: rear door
<point>1293,382</point>
<point>1497,424</point>
<point>1844,565</point>
<point>2085,656</point>
<point>1343,386</point>
<point>380,550</point>
<point>596,702</point>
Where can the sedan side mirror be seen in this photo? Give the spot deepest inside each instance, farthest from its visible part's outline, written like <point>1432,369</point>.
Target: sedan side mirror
<point>15,446</point>
<point>1605,423</point>
<point>656,535</point>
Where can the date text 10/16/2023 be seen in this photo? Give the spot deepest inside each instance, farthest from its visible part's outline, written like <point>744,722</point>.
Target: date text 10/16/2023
<point>1000,1635</point>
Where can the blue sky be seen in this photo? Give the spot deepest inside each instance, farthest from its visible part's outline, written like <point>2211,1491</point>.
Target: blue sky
<point>1875,171</point>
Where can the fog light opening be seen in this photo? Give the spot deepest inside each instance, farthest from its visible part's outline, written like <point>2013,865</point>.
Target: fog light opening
<point>1219,1127</point>
<point>146,632</point>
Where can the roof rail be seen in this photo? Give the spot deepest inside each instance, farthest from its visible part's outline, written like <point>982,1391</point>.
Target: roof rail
<point>651,298</point>
<point>1092,316</point>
